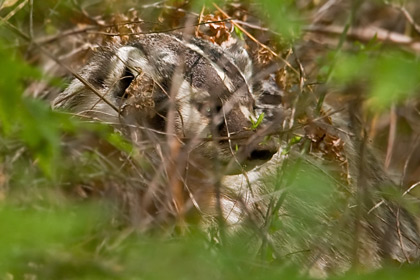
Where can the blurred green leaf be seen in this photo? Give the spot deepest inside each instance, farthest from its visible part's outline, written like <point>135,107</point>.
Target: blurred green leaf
<point>257,122</point>
<point>39,241</point>
<point>239,33</point>
<point>38,126</point>
<point>118,141</point>
<point>391,77</point>
<point>13,71</point>
<point>283,17</point>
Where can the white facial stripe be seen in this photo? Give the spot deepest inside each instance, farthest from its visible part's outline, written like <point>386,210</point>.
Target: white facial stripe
<point>240,57</point>
<point>185,92</point>
<point>245,111</point>
<point>169,58</point>
<point>222,75</point>
<point>194,122</point>
<point>134,59</point>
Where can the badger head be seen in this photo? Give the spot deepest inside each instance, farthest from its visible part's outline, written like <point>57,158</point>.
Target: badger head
<point>163,85</point>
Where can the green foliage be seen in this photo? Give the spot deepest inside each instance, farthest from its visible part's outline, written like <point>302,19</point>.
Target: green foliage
<point>239,33</point>
<point>47,241</point>
<point>283,17</point>
<point>295,140</point>
<point>391,77</point>
<point>33,122</point>
<point>13,70</point>
<point>197,5</point>
<point>32,119</point>
<point>75,242</point>
<point>119,142</point>
<point>390,272</point>
<point>256,123</point>
<point>307,196</point>
<point>71,242</point>
<point>46,236</point>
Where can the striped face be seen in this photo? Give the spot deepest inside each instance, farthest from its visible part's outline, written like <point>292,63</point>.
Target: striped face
<point>198,90</point>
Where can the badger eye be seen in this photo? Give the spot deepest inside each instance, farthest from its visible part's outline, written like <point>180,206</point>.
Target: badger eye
<point>209,108</point>
<point>213,110</point>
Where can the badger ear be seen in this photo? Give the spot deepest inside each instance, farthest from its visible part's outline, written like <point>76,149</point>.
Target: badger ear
<point>123,83</point>
<point>134,87</point>
<point>240,58</point>
<point>126,65</point>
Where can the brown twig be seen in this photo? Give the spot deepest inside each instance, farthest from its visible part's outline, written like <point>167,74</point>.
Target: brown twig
<point>407,16</point>
<point>187,26</point>
<point>15,10</point>
<point>391,136</point>
<point>411,188</point>
<point>255,40</point>
<point>366,34</point>
<point>400,236</point>
<point>414,145</point>
<point>200,18</point>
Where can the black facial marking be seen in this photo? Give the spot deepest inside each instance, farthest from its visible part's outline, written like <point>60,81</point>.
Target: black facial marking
<point>124,83</point>
<point>103,71</point>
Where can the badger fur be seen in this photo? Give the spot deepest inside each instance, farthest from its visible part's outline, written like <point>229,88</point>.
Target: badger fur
<point>191,99</point>
<point>194,104</point>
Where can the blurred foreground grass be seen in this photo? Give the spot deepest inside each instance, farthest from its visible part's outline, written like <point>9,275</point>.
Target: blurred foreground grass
<point>73,242</point>
<point>45,235</point>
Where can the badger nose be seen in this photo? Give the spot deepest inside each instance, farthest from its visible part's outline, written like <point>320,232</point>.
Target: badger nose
<point>251,155</point>
<point>263,153</point>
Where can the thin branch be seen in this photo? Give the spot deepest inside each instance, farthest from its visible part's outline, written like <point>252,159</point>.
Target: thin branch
<point>382,201</point>
<point>17,9</point>
<point>400,236</point>
<point>58,61</point>
<point>255,40</point>
<point>411,188</point>
<point>366,34</point>
<point>391,136</point>
<point>187,26</point>
<point>413,147</point>
<point>323,9</point>
<point>407,16</point>
<point>31,19</point>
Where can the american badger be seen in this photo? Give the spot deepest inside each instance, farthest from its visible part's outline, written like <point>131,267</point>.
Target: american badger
<point>189,106</point>
<point>192,99</point>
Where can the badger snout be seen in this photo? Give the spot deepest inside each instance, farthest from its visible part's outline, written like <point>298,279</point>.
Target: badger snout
<point>262,154</point>
<point>255,151</point>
